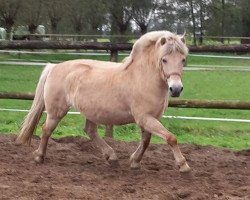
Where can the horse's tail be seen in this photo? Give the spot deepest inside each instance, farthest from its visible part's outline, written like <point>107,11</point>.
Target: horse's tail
<point>31,120</point>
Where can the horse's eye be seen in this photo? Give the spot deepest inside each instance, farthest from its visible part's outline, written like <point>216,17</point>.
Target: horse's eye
<point>183,60</point>
<point>164,60</point>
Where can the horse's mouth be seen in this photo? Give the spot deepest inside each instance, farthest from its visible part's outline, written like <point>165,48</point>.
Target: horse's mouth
<point>175,94</point>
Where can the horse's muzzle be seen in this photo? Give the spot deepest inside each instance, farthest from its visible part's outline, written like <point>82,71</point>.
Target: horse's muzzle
<point>175,85</point>
<point>175,90</point>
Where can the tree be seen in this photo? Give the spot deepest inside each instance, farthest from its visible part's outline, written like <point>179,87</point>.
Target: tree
<point>120,16</point>
<point>201,17</point>
<point>77,14</point>
<point>32,14</point>
<point>224,18</point>
<point>99,19</point>
<point>142,12</point>
<point>245,7</point>
<point>198,13</point>
<point>192,13</point>
<point>164,16</point>
<point>8,14</point>
<point>56,11</point>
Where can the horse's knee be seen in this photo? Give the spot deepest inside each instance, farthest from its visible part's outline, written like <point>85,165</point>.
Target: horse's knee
<point>171,140</point>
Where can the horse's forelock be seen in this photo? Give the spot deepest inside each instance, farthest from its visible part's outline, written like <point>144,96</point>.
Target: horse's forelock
<point>173,44</point>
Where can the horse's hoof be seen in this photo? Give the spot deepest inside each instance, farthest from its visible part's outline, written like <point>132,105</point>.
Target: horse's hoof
<point>184,168</point>
<point>39,159</point>
<point>135,165</point>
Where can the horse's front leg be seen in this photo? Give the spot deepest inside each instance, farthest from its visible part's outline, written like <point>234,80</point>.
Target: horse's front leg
<point>136,157</point>
<point>152,125</point>
<point>107,151</point>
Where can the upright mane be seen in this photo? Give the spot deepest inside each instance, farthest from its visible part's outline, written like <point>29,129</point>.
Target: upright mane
<point>174,41</point>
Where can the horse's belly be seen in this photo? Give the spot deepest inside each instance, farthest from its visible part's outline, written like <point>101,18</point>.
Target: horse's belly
<point>108,116</point>
<point>102,108</point>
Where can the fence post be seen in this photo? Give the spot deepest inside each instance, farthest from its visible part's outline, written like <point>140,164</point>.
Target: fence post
<point>114,55</point>
<point>109,131</point>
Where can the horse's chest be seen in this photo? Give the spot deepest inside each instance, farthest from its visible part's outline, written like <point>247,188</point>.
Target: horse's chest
<point>158,109</point>
<point>153,105</point>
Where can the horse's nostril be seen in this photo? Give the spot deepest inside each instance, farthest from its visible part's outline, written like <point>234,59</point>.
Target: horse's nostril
<point>181,89</point>
<point>171,89</point>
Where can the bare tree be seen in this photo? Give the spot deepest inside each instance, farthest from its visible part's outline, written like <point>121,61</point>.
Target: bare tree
<point>32,14</point>
<point>201,17</point>
<point>142,12</point>
<point>120,15</point>
<point>222,20</point>
<point>191,4</point>
<point>77,15</point>
<point>172,15</point>
<point>56,10</point>
<point>8,14</point>
<point>245,6</point>
<point>99,18</point>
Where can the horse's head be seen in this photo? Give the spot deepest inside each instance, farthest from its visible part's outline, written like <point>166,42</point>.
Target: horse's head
<point>172,52</point>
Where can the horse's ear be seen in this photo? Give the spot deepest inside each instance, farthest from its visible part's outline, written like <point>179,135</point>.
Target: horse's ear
<point>183,40</point>
<point>163,40</point>
<point>183,37</point>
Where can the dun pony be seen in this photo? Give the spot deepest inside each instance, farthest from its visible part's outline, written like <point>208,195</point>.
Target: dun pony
<point>136,91</point>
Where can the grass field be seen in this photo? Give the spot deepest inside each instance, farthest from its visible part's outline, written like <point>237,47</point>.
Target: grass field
<point>213,85</point>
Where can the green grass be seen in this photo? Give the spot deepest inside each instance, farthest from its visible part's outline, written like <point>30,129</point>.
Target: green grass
<point>221,134</point>
<point>59,56</point>
<point>219,61</point>
<point>216,85</point>
<point>19,78</point>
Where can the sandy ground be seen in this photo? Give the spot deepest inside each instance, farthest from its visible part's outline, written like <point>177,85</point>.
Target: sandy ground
<point>74,169</point>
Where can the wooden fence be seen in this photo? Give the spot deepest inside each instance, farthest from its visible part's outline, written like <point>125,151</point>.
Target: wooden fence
<point>178,103</point>
<point>84,37</point>
<point>211,104</point>
<point>113,48</point>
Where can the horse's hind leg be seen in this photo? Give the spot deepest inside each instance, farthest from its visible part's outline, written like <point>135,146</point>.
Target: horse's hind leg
<point>48,127</point>
<point>136,157</point>
<point>108,152</point>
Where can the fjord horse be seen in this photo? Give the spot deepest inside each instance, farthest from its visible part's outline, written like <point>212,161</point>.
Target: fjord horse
<point>135,91</point>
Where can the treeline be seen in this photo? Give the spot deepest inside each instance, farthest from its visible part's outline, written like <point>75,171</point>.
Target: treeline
<point>121,17</point>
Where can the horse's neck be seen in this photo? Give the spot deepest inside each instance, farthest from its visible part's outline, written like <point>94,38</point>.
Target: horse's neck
<point>144,74</point>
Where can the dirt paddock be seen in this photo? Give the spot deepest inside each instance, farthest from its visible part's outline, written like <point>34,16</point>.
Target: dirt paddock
<point>73,169</point>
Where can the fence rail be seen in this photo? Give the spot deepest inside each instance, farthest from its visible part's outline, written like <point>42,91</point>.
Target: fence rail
<point>180,103</point>
<point>108,46</point>
<point>38,44</point>
<point>117,36</point>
